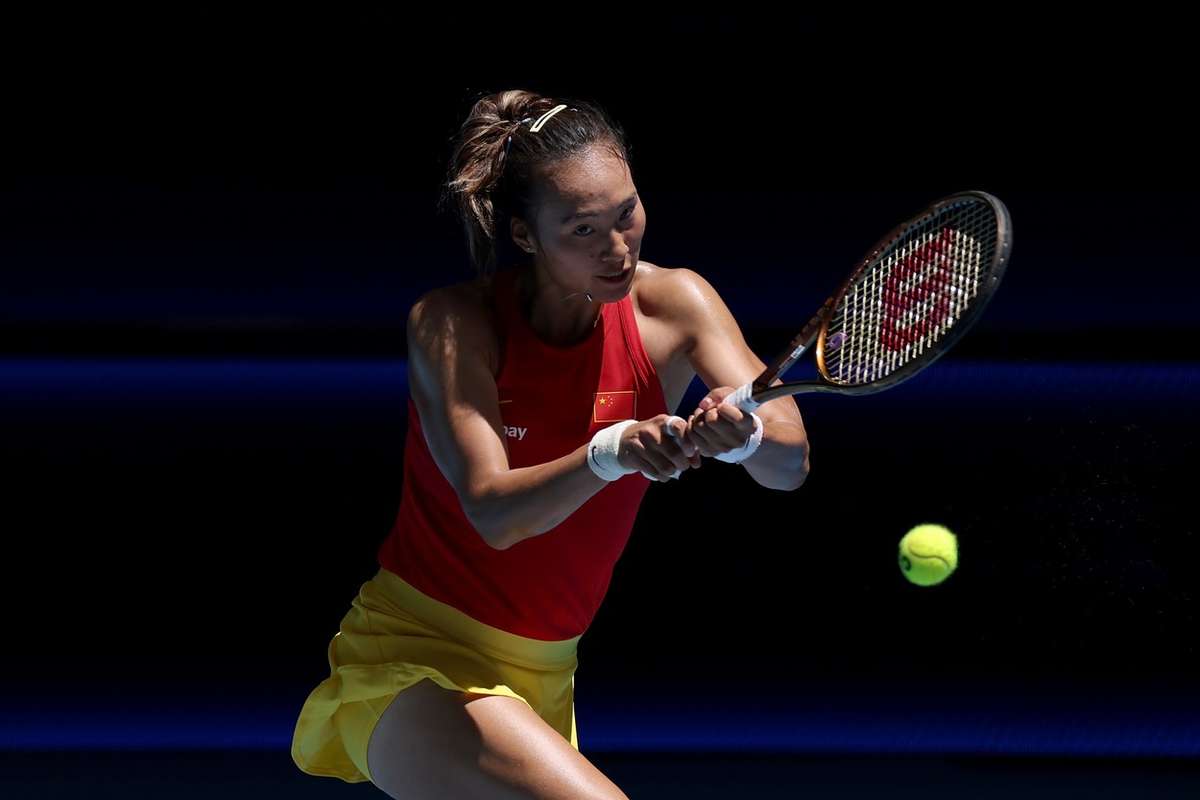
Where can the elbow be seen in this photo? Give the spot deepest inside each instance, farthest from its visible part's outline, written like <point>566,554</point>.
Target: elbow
<point>786,473</point>
<point>483,511</point>
<point>782,480</point>
<point>796,476</point>
<point>497,540</point>
<point>494,537</point>
<point>501,538</point>
<point>802,472</point>
<point>500,535</point>
<point>787,466</point>
<point>800,477</point>
<point>483,520</point>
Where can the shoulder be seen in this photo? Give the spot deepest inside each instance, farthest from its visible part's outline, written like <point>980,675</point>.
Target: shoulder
<point>674,294</point>
<point>455,318</point>
<point>468,300</point>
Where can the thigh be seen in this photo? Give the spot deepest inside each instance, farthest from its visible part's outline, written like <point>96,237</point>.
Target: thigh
<point>434,743</point>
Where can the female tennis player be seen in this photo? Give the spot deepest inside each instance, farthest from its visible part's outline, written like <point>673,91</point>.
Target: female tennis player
<point>539,411</point>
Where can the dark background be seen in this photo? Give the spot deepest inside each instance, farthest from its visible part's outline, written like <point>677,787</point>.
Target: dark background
<point>212,227</point>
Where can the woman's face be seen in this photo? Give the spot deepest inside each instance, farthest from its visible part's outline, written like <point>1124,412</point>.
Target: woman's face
<point>587,224</point>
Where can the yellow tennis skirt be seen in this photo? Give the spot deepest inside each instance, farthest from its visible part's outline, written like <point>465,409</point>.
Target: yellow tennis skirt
<point>395,636</point>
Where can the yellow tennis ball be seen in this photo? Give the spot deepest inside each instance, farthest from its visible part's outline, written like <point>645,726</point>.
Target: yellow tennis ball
<point>928,554</point>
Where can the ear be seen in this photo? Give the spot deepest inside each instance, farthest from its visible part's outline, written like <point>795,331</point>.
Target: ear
<point>522,235</point>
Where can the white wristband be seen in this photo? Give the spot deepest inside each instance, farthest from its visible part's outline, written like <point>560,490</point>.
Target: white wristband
<point>606,444</point>
<point>603,449</point>
<point>746,450</point>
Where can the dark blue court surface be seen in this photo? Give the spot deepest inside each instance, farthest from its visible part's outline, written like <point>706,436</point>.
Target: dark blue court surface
<point>232,775</point>
<point>827,742</point>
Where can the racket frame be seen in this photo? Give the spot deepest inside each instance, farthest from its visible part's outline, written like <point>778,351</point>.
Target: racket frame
<point>768,385</point>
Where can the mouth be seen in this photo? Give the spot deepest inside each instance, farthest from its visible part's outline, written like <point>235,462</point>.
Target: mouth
<point>616,278</point>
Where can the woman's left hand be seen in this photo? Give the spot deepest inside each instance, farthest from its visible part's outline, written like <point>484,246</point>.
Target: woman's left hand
<point>716,427</point>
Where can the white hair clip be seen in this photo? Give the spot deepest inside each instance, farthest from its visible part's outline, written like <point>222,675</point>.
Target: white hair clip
<point>544,118</point>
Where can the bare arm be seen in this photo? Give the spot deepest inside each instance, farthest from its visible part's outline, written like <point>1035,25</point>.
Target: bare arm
<point>720,356</point>
<point>451,352</point>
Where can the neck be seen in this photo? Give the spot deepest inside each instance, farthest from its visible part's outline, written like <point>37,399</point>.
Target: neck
<point>558,315</point>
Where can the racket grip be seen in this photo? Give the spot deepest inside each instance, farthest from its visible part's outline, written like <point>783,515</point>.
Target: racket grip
<point>742,398</point>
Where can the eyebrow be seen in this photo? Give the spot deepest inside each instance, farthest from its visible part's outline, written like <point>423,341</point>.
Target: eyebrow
<point>583,214</point>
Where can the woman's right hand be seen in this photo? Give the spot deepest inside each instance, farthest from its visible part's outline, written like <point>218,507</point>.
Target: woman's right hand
<point>658,447</point>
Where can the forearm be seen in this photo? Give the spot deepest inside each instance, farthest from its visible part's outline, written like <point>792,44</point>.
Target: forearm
<point>520,503</point>
<point>781,460</point>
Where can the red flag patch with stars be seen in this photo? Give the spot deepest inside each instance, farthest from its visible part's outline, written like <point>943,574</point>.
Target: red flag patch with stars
<point>614,406</point>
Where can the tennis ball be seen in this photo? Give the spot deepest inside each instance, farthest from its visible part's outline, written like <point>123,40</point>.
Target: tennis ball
<point>928,554</point>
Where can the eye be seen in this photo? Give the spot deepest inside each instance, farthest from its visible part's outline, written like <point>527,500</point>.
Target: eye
<point>583,230</point>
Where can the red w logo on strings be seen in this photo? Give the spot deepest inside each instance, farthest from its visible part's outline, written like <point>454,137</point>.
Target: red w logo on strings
<point>931,260</point>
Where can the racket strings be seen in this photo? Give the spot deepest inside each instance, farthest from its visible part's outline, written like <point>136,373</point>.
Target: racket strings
<point>911,295</point>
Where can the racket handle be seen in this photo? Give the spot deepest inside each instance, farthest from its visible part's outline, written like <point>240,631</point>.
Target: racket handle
<point>742,398</point>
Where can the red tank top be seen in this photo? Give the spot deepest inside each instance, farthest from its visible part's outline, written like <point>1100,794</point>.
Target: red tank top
<point>552,400</point>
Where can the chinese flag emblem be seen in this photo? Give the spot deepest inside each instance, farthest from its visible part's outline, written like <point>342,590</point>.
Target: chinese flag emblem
<point>614,406</point>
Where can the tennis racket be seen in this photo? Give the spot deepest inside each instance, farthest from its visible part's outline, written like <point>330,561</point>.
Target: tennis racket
<point>917,291</point>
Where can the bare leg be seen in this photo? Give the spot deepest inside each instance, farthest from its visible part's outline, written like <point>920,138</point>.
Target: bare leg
<point>434,743</point>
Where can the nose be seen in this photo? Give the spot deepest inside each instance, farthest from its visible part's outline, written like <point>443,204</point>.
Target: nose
<point>618,247</point>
